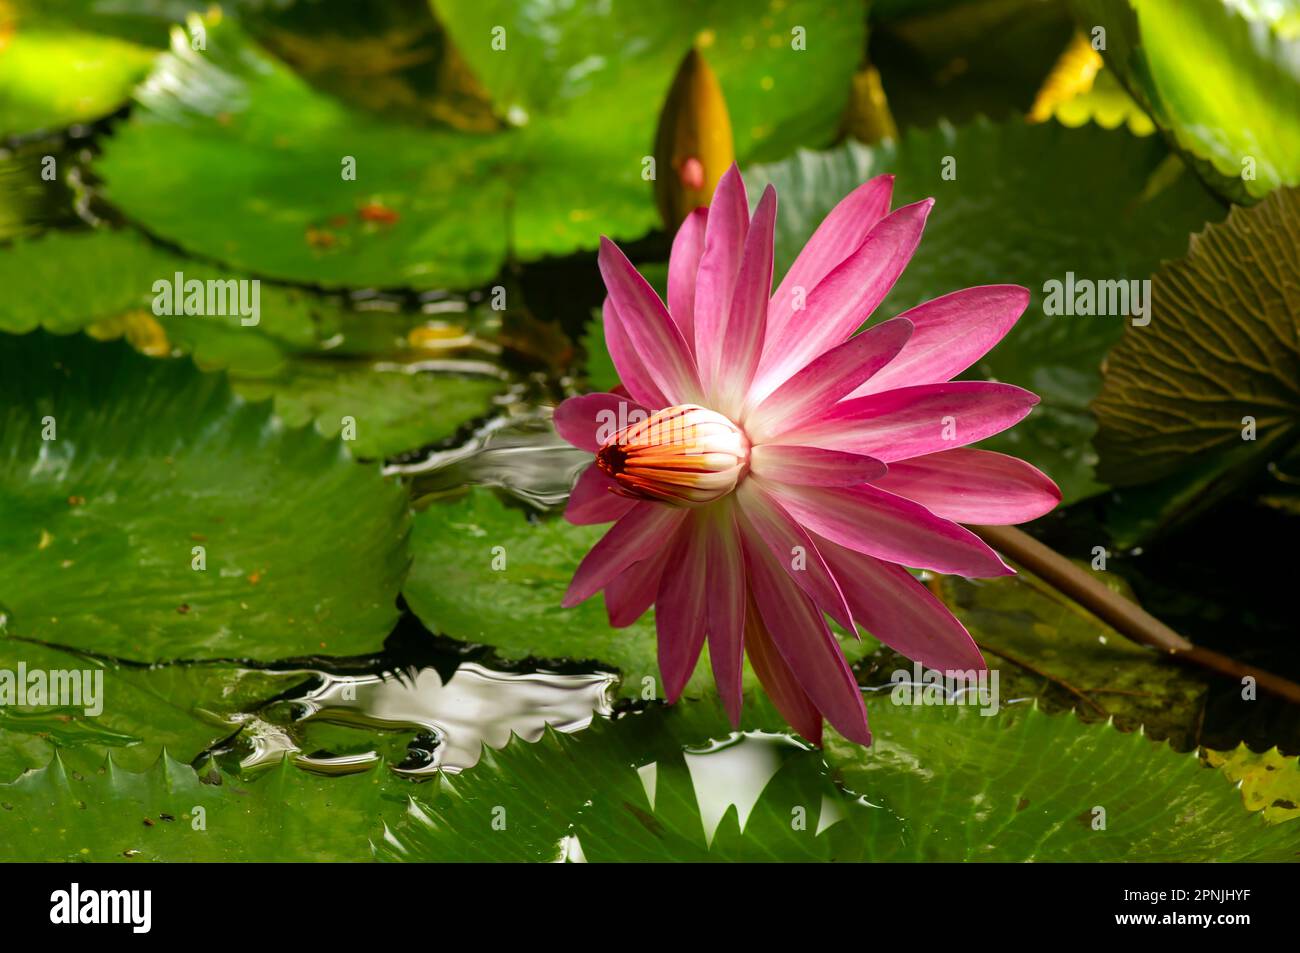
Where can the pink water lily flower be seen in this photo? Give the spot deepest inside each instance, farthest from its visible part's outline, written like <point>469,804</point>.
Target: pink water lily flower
<point>767,467</point>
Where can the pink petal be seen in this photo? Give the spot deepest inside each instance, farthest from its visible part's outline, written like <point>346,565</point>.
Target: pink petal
<point>973,486</point>
<point>632,372</point>
<point>839,235</point>
<point>828,378</point>
<point>715,284</point>
<point>681,607</point>
<point>952,333</point>
<point>845,298</point>
<point>633,591</point>
<point>912,421</point>
<point>594,500</point>
<point>726,385</point>
<point>813,466</point>
<point>726,612</point>
<point>683,263</point>
<point>792,548</point>
<point>778,681</point>
<point>889,527</point>
<point>588,420</point>
<point>653,334</point>
<point>806,645</point>
<point>645,528</point>
<point>902,613</point>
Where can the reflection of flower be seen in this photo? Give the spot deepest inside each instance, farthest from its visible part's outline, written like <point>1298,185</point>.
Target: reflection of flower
<point>824,462</point>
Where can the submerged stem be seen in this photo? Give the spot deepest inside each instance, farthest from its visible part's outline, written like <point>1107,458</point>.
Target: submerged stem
<point>1123,615</point>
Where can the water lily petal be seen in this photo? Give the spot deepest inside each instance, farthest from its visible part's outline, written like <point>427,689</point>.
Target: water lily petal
<point>845,298</point>
<point>763,517</point>
<point>636,536</point>
<point>973,486</point>
<point>726,612</point>
<point>872,521</point>
<point>805,643</point>
<point>636,380</point>
<point>715,284</point>
<point>952,333</point>
<point>588,420</point>
<point>813,466</point>
<point>683,264</point>
<point>828,378</point>
<point>912,421</point>
<point>726,385</point>
<point>633,591</point>
<point>899,611</point>
<point>681,607</point>
<point>651,331</point>
<point>594,499</point>
<point>778,681</point>
<point>839,235</point>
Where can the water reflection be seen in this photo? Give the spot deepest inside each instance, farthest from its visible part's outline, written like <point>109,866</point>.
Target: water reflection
<point>452,717</point>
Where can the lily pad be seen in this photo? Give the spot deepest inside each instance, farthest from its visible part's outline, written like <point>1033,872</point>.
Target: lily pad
<point>1220,77</point>
<point>320,360</point>
<point>1066,656</point>
<point>171,813</point>
<point>1026,204</point>
<point>939,784</point>
<point>1214,381</point>
<point>120,471</point>
<point>1025,786</point>
<point>455,588</point>
<point>142,711</point>
<point>228,136</point>
<point>54,78</point>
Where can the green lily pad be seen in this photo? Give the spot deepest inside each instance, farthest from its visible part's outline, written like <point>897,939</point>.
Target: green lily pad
<point>304,549</point>
<point>143,710</point>
<point>453,589</point>
<point>319,359</point>
<point>669,784</point>
<point>1221,351</point>
<point>170,813</point>
<point>939,784</point>
<point>1047,646</point>
<point>1025,786</point>
<point>229,136</point>
<point>51,79</point>
<point>1028,204</point>
<point>1220,77</point>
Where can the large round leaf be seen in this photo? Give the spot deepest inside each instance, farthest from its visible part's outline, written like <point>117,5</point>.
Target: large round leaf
<point>939,784</point>
<point>148,460</point>
<point>1222,352</point>
<point>228,136</point>
<point>319,359</point>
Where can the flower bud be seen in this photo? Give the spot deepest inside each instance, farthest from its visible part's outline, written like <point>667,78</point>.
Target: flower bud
<point>685,455</point>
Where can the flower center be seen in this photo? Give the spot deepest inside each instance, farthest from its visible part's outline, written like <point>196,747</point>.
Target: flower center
<point>684,455</point>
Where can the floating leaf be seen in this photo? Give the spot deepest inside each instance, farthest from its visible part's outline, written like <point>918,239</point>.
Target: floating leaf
<point>118,472</point>
<point>181,708</point>
<point>1025,786</point>
<point>112,814</point>
<point>228,136</point>
<point>941,783</point>
<point>1018,204</point>
<point>52,79</point>
<point>1270,781</point>
<point>1216,374</point>
<point>320,360</point>
<point>1221,77</point>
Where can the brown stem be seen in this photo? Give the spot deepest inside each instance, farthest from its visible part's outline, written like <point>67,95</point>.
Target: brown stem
<point>1123,615</point>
